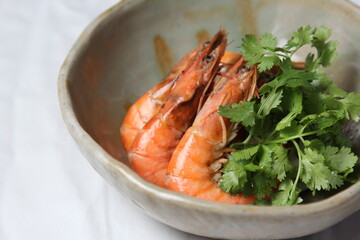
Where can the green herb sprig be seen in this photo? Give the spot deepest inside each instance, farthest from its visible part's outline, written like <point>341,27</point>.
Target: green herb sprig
<point>295,141</point>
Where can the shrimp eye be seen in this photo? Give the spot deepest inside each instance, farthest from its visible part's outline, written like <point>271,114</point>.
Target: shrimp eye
<point>209,58</point>
<point>206,43</point>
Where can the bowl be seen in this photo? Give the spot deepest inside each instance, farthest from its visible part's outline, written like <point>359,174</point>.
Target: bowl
<point>129,48</point>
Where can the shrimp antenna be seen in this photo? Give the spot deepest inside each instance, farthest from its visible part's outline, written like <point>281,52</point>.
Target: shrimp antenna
<point>230,42</point>
<point>223,127</point>
<point>203,95</point>
<point>236,66</point>
<point>224,132</point>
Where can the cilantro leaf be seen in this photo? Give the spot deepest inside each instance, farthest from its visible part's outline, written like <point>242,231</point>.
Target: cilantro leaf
<point>251,167</point>
<point>313,103</point>
<point>324,119</point>
<point>326,51</point>
<point>328,118</point>
<point>269,86</point>
<point>268,41</point>
<point>261,52</point>
<point>315,172</point>
<point>289,77</point>
<point>281,164</point>
<point>315,144</point>
<point>269,102</point>
<point>234,177</point>
<point>245,153</point>
<point>294,105</point>
<point>322,33</point>
<point>267,62</point>
<point>265,157</point>
<point>352,104</point>
<point>298,82</point>
<point>339,160</point>
<point>294,130</point>
<point>233,181</point>
<point>283,196</point>
<point>243,113</point>
<point>335,180</point>
<point>321,81</point>
<point>263,185</point>
<point>342,140</point>
<point>303,36</point>
<point>251,47</point>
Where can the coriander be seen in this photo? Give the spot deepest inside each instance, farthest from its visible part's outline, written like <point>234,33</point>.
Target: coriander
<point>299,113</point>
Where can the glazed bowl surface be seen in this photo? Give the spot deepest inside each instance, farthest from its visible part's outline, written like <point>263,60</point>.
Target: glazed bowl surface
<point>131,46</point>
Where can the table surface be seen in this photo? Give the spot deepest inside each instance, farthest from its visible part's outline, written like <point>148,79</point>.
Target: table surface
<point>47,188</point>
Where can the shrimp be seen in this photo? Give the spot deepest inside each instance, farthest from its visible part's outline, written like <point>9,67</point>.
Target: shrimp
<point>150,103</point>
<point>153,146</point>
<point>194,168</point>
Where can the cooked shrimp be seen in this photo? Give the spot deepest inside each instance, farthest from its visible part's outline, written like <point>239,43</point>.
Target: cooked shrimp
<point>150,103</point>
<point>194,168</point>
<point>152,148</point>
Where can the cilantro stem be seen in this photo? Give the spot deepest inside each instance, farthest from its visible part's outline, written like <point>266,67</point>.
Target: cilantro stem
<point>279,49</point>
<point>270,135</point>
<point>282,55</point>
<point>246,141</point>
<point>283,140</point>
<point>296,49</point>
<point>299,169</point>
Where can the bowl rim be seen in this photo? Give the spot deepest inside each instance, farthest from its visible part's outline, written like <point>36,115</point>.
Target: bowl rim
<point>88,144</point>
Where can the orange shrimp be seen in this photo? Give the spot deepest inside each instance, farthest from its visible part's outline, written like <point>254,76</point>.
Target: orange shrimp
<point>195,163</point>
<point>152,148</point>
<point>150,103</point>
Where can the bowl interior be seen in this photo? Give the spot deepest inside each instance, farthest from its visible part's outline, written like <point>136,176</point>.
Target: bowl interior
<point>132,50</point>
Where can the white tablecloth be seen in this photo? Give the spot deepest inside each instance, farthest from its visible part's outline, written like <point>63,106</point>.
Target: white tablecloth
<point>48,190</point>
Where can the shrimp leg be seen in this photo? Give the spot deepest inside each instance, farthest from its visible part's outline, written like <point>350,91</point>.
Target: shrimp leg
<point>153,146</point>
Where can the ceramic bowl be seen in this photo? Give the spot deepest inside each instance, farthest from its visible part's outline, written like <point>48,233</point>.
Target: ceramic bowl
<point>128,48</point>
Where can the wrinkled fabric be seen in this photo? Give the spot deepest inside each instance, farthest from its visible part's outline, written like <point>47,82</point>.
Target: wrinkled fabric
<point>47,189</point>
